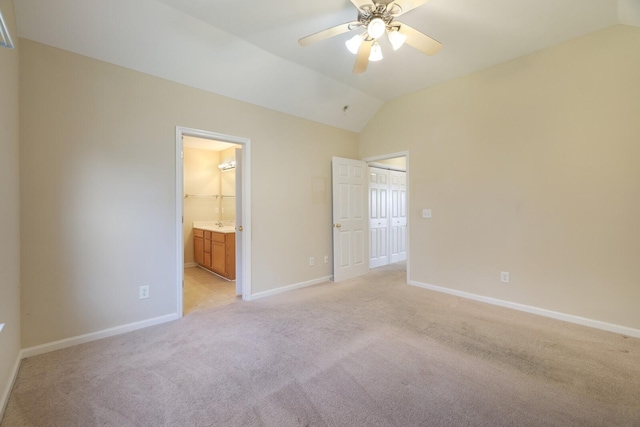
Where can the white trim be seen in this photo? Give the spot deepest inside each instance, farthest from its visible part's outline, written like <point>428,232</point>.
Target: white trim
<point>213,273</point>
<point>288,288</point>
<point>4,399</point>
<point>93,336</point>
<point>246,221</point>
<point>387,156</point>
<point>386,166</point>
<point>597,324</point>
<point>246,208</point>
<point>179,222</point>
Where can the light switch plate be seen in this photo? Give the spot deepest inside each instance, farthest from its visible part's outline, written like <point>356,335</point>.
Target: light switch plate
<point>426,213</point>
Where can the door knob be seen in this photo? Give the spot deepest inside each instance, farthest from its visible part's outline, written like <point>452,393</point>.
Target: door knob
<point>240,228</point>
<point>338,225</point>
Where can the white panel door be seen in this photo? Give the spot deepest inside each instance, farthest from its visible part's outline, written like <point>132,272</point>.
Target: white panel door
<point>398,236</point>
<point>350,236</point>
<point>378,217</point>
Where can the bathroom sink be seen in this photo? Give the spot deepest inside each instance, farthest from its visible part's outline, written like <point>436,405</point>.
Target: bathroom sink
<point>213,226</point>
<point>224,229</point>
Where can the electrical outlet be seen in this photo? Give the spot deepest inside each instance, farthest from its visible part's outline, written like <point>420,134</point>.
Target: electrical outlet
<point>312,261</point>
<point>326,259</point>
<point>504,276</point>
<point>144,292</point>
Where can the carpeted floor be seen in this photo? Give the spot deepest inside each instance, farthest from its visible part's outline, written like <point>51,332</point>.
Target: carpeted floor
<point>371,351</point>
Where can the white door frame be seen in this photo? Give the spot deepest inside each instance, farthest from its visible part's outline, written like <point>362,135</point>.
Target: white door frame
<point>245,234</point>
<point>404,154</point>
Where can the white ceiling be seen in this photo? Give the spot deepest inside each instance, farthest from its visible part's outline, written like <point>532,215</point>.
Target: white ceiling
<point>248,50</point>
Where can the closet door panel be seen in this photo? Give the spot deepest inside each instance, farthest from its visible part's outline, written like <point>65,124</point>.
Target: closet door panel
<point>379,219</point>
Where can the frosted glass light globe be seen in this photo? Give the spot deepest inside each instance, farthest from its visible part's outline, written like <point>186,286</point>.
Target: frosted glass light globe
<point>396,39</point>
<point>376,52</point>
<point>376,28</point>
<point>353,44</point>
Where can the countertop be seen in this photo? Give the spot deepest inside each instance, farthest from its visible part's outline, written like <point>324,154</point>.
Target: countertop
<point>211,226</point>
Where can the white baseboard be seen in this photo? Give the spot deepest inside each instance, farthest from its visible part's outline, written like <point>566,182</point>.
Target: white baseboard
<point>288,288</point>
<point>597,324</point>
<point>81,339</point>
<point>190,264</point>
<point>4,398</point>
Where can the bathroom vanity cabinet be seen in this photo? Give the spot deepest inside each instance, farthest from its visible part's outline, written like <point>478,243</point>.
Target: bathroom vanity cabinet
<point>215,251</point>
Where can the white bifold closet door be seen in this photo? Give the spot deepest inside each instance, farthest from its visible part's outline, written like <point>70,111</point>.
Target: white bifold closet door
<point>379,221</point>
<point>387,216</point>
<point>398,231</point>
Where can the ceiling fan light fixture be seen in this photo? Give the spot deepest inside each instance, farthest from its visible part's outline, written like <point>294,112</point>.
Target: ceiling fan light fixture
<point>353,44</point>
<point>376,52</point>
<point>397,39</point>
<point>376,28</point>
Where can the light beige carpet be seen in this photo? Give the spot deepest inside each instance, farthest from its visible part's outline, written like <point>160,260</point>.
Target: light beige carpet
<point>368,352</point>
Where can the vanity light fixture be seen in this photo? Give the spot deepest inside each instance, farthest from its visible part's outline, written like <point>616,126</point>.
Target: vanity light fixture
<point>227,166</point>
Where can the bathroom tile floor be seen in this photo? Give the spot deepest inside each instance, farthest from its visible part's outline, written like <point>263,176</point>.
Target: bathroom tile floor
<point>204,290</point>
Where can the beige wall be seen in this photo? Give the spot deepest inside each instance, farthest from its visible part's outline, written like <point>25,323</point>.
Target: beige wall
<point>98,191</point>
<point>530,167</point>
<point>9,208</point>
<point>201,178</point>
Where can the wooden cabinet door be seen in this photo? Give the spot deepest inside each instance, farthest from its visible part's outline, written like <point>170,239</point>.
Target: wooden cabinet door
<point>219,258</point>
<point>230,262</point>
<point>198,250</point>
<point>207,249</point>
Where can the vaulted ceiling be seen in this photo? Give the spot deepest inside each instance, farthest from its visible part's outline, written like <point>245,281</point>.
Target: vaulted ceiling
<point>248,50</point>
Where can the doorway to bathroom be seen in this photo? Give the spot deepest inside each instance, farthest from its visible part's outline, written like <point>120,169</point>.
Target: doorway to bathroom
<point>212,198</point>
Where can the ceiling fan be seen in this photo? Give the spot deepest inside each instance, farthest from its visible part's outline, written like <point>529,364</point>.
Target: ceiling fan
<point>378,19</point>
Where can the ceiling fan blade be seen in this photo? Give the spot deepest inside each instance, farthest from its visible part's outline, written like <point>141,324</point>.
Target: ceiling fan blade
<point>329,32</point>
<point>362,60</point>
<point>360,3</point>
<point>407,5</point>
<point>420,41</point>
